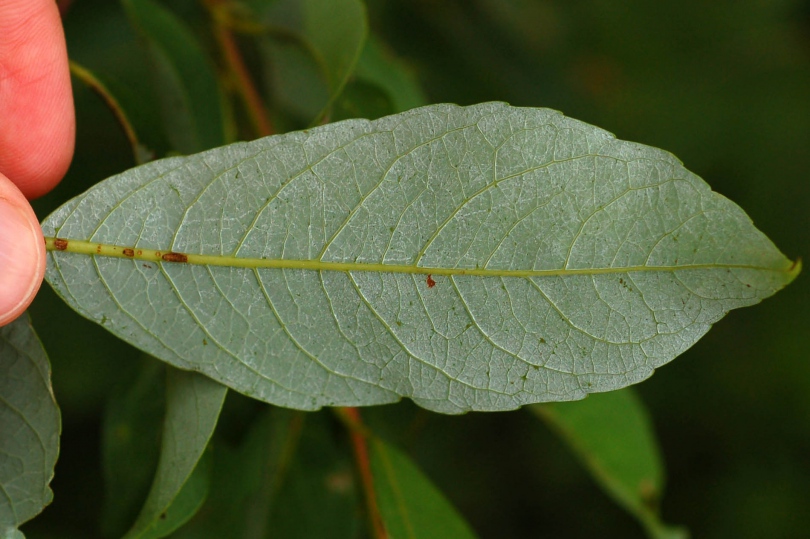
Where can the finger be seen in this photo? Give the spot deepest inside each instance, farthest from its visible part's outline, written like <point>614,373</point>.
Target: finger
<point>37,125</point>
<point>22,252</point>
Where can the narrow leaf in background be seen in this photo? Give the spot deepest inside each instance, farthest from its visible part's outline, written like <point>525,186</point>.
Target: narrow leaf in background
<point>193,403</point>
<point>29,427</point>
<point>311,40</point>
<point>470,258</point>
<point>247,479</point>
<point>130,444</point>
<point>380,67</point>
<point>613,437</point>
<point>191,100</point>
<point>320,496</point>
<point>410,506</point>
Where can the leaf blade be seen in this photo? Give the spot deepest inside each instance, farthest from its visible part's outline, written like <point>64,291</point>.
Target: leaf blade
<point>356,217</point>
<point>191,100</point>
<point>193,404</point>
<point>30,427</point>
<point>410,505</point>
<point>612,436</point>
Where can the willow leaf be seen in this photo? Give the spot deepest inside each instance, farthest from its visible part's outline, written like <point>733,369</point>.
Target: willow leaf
<point>614,439</point>
<point>410,505</point>
<point>30,425</point>
<point>181,483</point>
<point>475,258</point>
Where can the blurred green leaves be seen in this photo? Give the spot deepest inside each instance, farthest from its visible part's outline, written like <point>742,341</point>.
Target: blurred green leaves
<point>613,437</point>
<point>186,83</point>
<point>310,52</point>
<point>410,506</point>
<point>193,403</point>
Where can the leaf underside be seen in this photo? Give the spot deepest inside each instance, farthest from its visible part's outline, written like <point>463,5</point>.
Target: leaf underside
<point>476,258</point>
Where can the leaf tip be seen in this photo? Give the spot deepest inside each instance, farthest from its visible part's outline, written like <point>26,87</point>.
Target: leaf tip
<point>795,269</point>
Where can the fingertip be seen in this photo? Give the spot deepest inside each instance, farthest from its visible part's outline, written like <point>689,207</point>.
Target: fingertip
<point>37,119</point>
<point>22,252</point>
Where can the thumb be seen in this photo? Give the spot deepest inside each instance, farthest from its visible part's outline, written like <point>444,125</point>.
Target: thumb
<point>22,252</point>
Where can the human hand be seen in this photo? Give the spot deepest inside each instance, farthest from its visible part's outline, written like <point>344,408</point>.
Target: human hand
<point>37,130</point>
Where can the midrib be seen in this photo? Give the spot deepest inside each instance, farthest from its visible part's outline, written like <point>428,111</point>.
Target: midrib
<point>153,255</point>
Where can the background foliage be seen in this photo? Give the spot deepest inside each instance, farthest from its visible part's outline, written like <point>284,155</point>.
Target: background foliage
<point>723,85</point>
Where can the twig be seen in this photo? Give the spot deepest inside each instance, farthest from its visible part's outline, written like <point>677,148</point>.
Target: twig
<point>358,433</point>
<point>140,153</point>
<point>236,65</point>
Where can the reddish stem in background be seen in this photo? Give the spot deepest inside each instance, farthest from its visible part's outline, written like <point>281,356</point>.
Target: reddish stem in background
<point>360,446</point>
<point>236,65</point>
<point>253,102</point>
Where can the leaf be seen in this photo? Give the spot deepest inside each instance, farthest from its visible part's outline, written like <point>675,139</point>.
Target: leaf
<point>191,100</point>
<point>330,32</point>
<point>376,65</point>
<point>193,403</point>
<point>130,444</point>
<point>320,481</point>
<point>362,99</point>
<point>247,479</point>
<point>612,436</point>
<point>29,427</point>
<point>475,258</point>
<point>410,506</point>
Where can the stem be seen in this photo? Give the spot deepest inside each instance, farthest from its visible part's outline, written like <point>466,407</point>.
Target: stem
<point>357,432</point>
<point>236,65</point>
<point>88,78</point>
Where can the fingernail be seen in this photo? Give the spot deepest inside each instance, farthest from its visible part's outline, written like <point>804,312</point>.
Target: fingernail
<point>19,261</point>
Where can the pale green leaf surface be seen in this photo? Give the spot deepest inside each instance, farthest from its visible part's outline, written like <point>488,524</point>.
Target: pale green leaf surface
<point>410,506</point>
<point>565,261</point>
<point>193,403</point>
<point>190,98</point>
<point>612,435</point>
<point>29,427</point>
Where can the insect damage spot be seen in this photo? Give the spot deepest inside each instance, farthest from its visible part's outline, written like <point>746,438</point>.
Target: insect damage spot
<point>129,252</point>
<point>60,244</point>
<point>430,282</point>
<point>174,257</point>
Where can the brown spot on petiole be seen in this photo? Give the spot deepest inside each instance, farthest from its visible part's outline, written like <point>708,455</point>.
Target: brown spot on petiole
<point>129,252</point>
<point>430,282</point>
<point>174,257</point>
<point>60,244</point>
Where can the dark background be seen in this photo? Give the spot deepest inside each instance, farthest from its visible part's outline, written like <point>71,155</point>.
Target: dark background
<point>724,85</point>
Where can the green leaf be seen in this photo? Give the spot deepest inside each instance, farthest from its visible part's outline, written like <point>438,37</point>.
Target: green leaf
<point>247,479</point>
<point>193,403</point>
<point>190,97</point>
<point>29,427</point>
<point>378,66</point>
<point>320,481</point>
<point>361,99</point>
<point>410,506</point>
<point>330,32</point>
<point>612,436</point>
<point>476,258</point>
<point>130,445</point>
